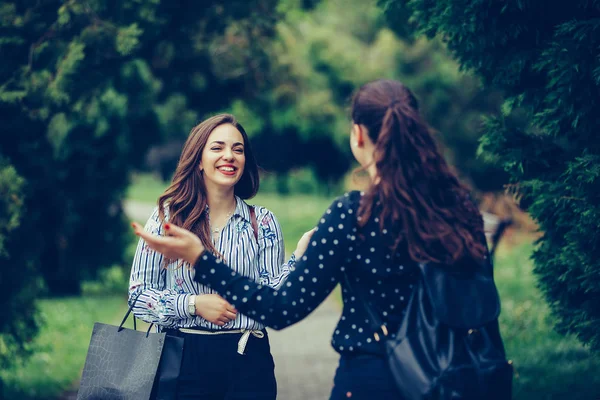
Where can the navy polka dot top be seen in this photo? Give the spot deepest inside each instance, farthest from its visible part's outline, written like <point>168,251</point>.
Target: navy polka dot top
<point>338,246</point>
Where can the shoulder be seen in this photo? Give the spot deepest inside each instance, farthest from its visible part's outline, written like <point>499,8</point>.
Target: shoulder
<point>347,201</point>
<point>264,215</point>
<point>267,224</point>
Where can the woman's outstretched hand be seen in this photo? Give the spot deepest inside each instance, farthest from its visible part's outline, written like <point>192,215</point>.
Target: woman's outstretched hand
<point>178,244</point>
<point>303,243</point>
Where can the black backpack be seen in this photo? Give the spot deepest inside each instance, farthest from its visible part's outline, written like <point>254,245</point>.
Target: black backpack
<point>448,345</point>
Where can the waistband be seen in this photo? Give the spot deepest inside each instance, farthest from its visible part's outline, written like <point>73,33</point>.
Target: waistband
<point>258,333</point>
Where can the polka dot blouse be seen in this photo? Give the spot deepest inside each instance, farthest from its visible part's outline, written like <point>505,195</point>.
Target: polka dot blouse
<point>338,246</point>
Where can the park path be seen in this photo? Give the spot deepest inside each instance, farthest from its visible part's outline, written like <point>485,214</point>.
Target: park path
<point>304,360</point>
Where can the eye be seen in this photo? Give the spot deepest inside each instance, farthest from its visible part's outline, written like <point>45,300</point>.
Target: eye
<point>239,150</point>
<point>216,148</point>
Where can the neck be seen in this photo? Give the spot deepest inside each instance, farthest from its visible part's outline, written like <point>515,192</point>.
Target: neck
<point>372,168</point>
<point>220,201</point>
<point>372,171</point>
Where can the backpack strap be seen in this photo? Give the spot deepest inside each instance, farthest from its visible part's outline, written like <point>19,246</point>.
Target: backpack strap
<point>253,222</point>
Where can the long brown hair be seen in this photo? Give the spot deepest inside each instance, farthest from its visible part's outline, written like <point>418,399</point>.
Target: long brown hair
<point>421,200</point>
<point>186,196</point>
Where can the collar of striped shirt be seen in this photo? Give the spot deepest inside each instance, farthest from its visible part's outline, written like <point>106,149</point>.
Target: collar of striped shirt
<point>241,209</point>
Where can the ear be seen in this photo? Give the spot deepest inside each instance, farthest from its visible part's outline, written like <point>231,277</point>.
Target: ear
<point>359,134</point>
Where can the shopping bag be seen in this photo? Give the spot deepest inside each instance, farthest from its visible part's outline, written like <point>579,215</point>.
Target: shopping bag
<point>127,364</point>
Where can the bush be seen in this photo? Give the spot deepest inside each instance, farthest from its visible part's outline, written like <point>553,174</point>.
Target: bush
<point>549,70</point>
<point>18,281</point>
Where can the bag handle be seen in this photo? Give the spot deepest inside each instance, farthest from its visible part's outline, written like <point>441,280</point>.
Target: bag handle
<point>127,316</point>
<point>134,324</point>
<point>253,222</point>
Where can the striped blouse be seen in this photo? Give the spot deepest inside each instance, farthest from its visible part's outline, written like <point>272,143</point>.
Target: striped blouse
<point>162,293</point>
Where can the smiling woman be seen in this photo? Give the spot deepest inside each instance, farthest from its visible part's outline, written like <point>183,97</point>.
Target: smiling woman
<point>217,171</point>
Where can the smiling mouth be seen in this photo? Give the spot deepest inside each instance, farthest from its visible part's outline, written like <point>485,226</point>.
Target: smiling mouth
<point>227,170</point>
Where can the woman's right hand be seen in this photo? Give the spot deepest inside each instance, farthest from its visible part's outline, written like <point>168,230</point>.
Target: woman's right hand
<point>215,309</point>
<point>178,244</point>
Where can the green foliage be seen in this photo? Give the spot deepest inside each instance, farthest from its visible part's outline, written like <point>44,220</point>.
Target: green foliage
<point>110,280</point>
<point>90,87</point>
<point>11,202</point>
<point>549,69</point>
<point>547,365</point>
<point>18,322</point>
<point>322,56</point>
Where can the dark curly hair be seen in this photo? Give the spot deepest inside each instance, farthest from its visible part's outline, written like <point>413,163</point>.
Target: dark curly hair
<point>421,199</point>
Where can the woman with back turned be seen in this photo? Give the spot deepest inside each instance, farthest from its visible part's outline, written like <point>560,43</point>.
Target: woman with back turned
<point>415,210</point>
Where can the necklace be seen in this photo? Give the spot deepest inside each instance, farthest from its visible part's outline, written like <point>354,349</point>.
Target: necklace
<point>215,229</point>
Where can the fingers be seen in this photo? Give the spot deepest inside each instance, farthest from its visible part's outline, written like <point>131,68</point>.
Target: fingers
<point>167,245</point>
<point>230,308</point>
<point>229,315</point>
<point>154,242</point>
<point>225,318</point>
<point>139,231</point>
<point>310,233</point>
<point>174,230</point>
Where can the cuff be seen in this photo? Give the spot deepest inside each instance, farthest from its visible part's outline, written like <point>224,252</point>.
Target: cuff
<point>181,306</point>
<point>292,262</point>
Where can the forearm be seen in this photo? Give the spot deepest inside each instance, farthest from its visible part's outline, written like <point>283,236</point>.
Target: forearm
<point>161,307</point>
<point>297,297</point>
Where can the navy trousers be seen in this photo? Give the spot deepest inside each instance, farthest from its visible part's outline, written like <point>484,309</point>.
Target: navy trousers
<point>363,377</point>
<point>212,369</point>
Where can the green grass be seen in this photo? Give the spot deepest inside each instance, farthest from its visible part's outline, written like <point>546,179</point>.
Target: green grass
<point>61,347</point>
<point>145,188</point>
<point>548,365</point>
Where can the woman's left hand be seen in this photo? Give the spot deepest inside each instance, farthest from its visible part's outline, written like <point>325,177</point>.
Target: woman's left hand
<point>179,244</point>
<point>303,243</point>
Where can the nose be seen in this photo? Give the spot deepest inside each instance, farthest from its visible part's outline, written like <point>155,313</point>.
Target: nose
<point>228,154</point>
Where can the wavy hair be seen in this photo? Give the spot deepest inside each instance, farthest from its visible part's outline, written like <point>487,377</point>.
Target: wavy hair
<point>186,196</point>
<point>420,198</point>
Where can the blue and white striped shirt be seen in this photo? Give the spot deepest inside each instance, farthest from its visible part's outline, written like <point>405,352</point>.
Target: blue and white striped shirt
<point>164,292</point>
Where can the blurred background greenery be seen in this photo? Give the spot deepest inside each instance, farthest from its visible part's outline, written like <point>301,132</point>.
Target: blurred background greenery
<point>97,97</point>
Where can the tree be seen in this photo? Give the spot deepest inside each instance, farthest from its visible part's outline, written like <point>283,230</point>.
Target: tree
<point>545,58</point>
<point>87,86</point>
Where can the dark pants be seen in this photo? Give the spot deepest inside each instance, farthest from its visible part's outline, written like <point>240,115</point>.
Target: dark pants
<point>212,369</point>
<point>363,377</point>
